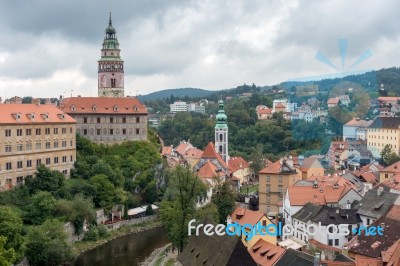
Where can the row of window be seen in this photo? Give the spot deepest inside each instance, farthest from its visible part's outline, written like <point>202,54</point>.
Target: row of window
<point>20,179</point>
<point>29,163</point>
<point>38,146</point>
<point>110,120</point>
<point>38,131</point>
<point>379,130</point>
<point>381,144</point>
<point>108,132</point>
<point>379,137</point>
<point>279,179</point>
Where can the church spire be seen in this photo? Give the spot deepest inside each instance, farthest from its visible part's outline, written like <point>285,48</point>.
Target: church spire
<point>110,21</point>
<point>221,132</point>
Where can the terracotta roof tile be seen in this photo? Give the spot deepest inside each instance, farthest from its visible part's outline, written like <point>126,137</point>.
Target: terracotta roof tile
<point>209,170</point>
<point>265,253</point>
<point>102,105</point>
<point>333,100</point>
<point>393,168</point>
<point>166,150</point>
<point>210,153</point>
<point>244,216</point>
<point>301,195</point>
<point>32,114</point>
<point>193,153</point>
<point>183,147</point>
<point>237,163</point>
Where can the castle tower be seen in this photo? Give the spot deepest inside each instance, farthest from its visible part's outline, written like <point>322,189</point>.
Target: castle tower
<point>111,66</point>
<point>221,133</point>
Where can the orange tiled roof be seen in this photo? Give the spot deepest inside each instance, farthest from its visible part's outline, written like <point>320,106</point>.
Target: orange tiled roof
<point>394,168</point>
<point>209,170</point>
<point>364,261</point>
<point>333,100</point>
<point>388,99</point>
<point>32,114</point>
<point>237,163</point>
<point>301,195</point>
<point>392,255</point>
<point>210,153</point>
<point>193,153</point>
<point>359,123</point>
<point>369,177</point>
<point>166,150</point>
<point>264,111</point>
<point>183,147</point>
<point>309,163</point>
<point>265,253</point>
<point>102,105</point>
<point>244,216</point>
<point>280,105</point>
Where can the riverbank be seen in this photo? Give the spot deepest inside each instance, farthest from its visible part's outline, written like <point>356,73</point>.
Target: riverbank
<point>83,246</point>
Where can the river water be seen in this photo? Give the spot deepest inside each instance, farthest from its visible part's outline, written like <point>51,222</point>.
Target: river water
<point>127,250</point>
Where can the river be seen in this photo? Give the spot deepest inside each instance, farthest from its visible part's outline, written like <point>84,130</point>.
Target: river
<point>127,250</point>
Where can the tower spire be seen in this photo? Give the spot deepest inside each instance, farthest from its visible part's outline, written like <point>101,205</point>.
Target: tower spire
<point>110,22</point>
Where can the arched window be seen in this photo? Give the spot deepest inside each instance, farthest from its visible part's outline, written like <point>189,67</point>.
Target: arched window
<point>220,148</point>
<point>220,137</point>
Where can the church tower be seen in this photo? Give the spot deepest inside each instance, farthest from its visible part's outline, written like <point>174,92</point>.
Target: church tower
<point>111,66</point>
<point>221,133</point>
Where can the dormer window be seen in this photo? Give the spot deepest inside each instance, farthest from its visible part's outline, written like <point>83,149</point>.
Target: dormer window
<point>73,108</point>
<point>61,116</point>
<point>115,108</point>
<point>94,107</point>
<point>45,116</point>
<point>135,108</point>
<point>17,116</point>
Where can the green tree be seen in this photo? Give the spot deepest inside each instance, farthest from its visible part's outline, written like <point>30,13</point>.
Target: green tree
<point>388,156</point>
<point>208,213</point>
<point>45,180</point>
<point>149,210</point>
<point>7,256</point>
<point>76,211</point>
<point>11,229</point>
<point>105,190</point>
<point>42,207</point>
<point>257,159</point>
<point>184,191</point>
<point>224,199</point>
<point>48,244</point>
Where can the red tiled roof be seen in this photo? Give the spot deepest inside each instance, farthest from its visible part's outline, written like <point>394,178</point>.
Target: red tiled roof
<point>32,114</point>
<point>210,153</point>
<point>309,163</point>
<point>301,195</point>
<point>333,100</point>
<point>166,150</point>
<point>183,147</point>
<point>102,105</point>
<point>265,253</point>
<point>359,123</point>
<point>394,168</point>
<point>392,255</point>
<point>388,99</point>
<point>209,170</point>
<point>363,261</point>
<point>193,153</point>
<point>264,111</point>
<point>237,163</point>
<point>244,216</point>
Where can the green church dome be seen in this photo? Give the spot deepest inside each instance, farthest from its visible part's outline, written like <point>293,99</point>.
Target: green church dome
<point>221,116</point>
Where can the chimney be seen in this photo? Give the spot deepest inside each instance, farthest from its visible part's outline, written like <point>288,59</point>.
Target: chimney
<point>337,211</point>
<point>379,191</point>
<point>36,101</point>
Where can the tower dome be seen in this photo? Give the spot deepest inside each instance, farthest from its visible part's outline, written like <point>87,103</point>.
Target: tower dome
<point>221,116</point>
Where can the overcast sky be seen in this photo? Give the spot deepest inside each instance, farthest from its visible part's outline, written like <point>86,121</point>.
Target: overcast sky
<point>50,47</point>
